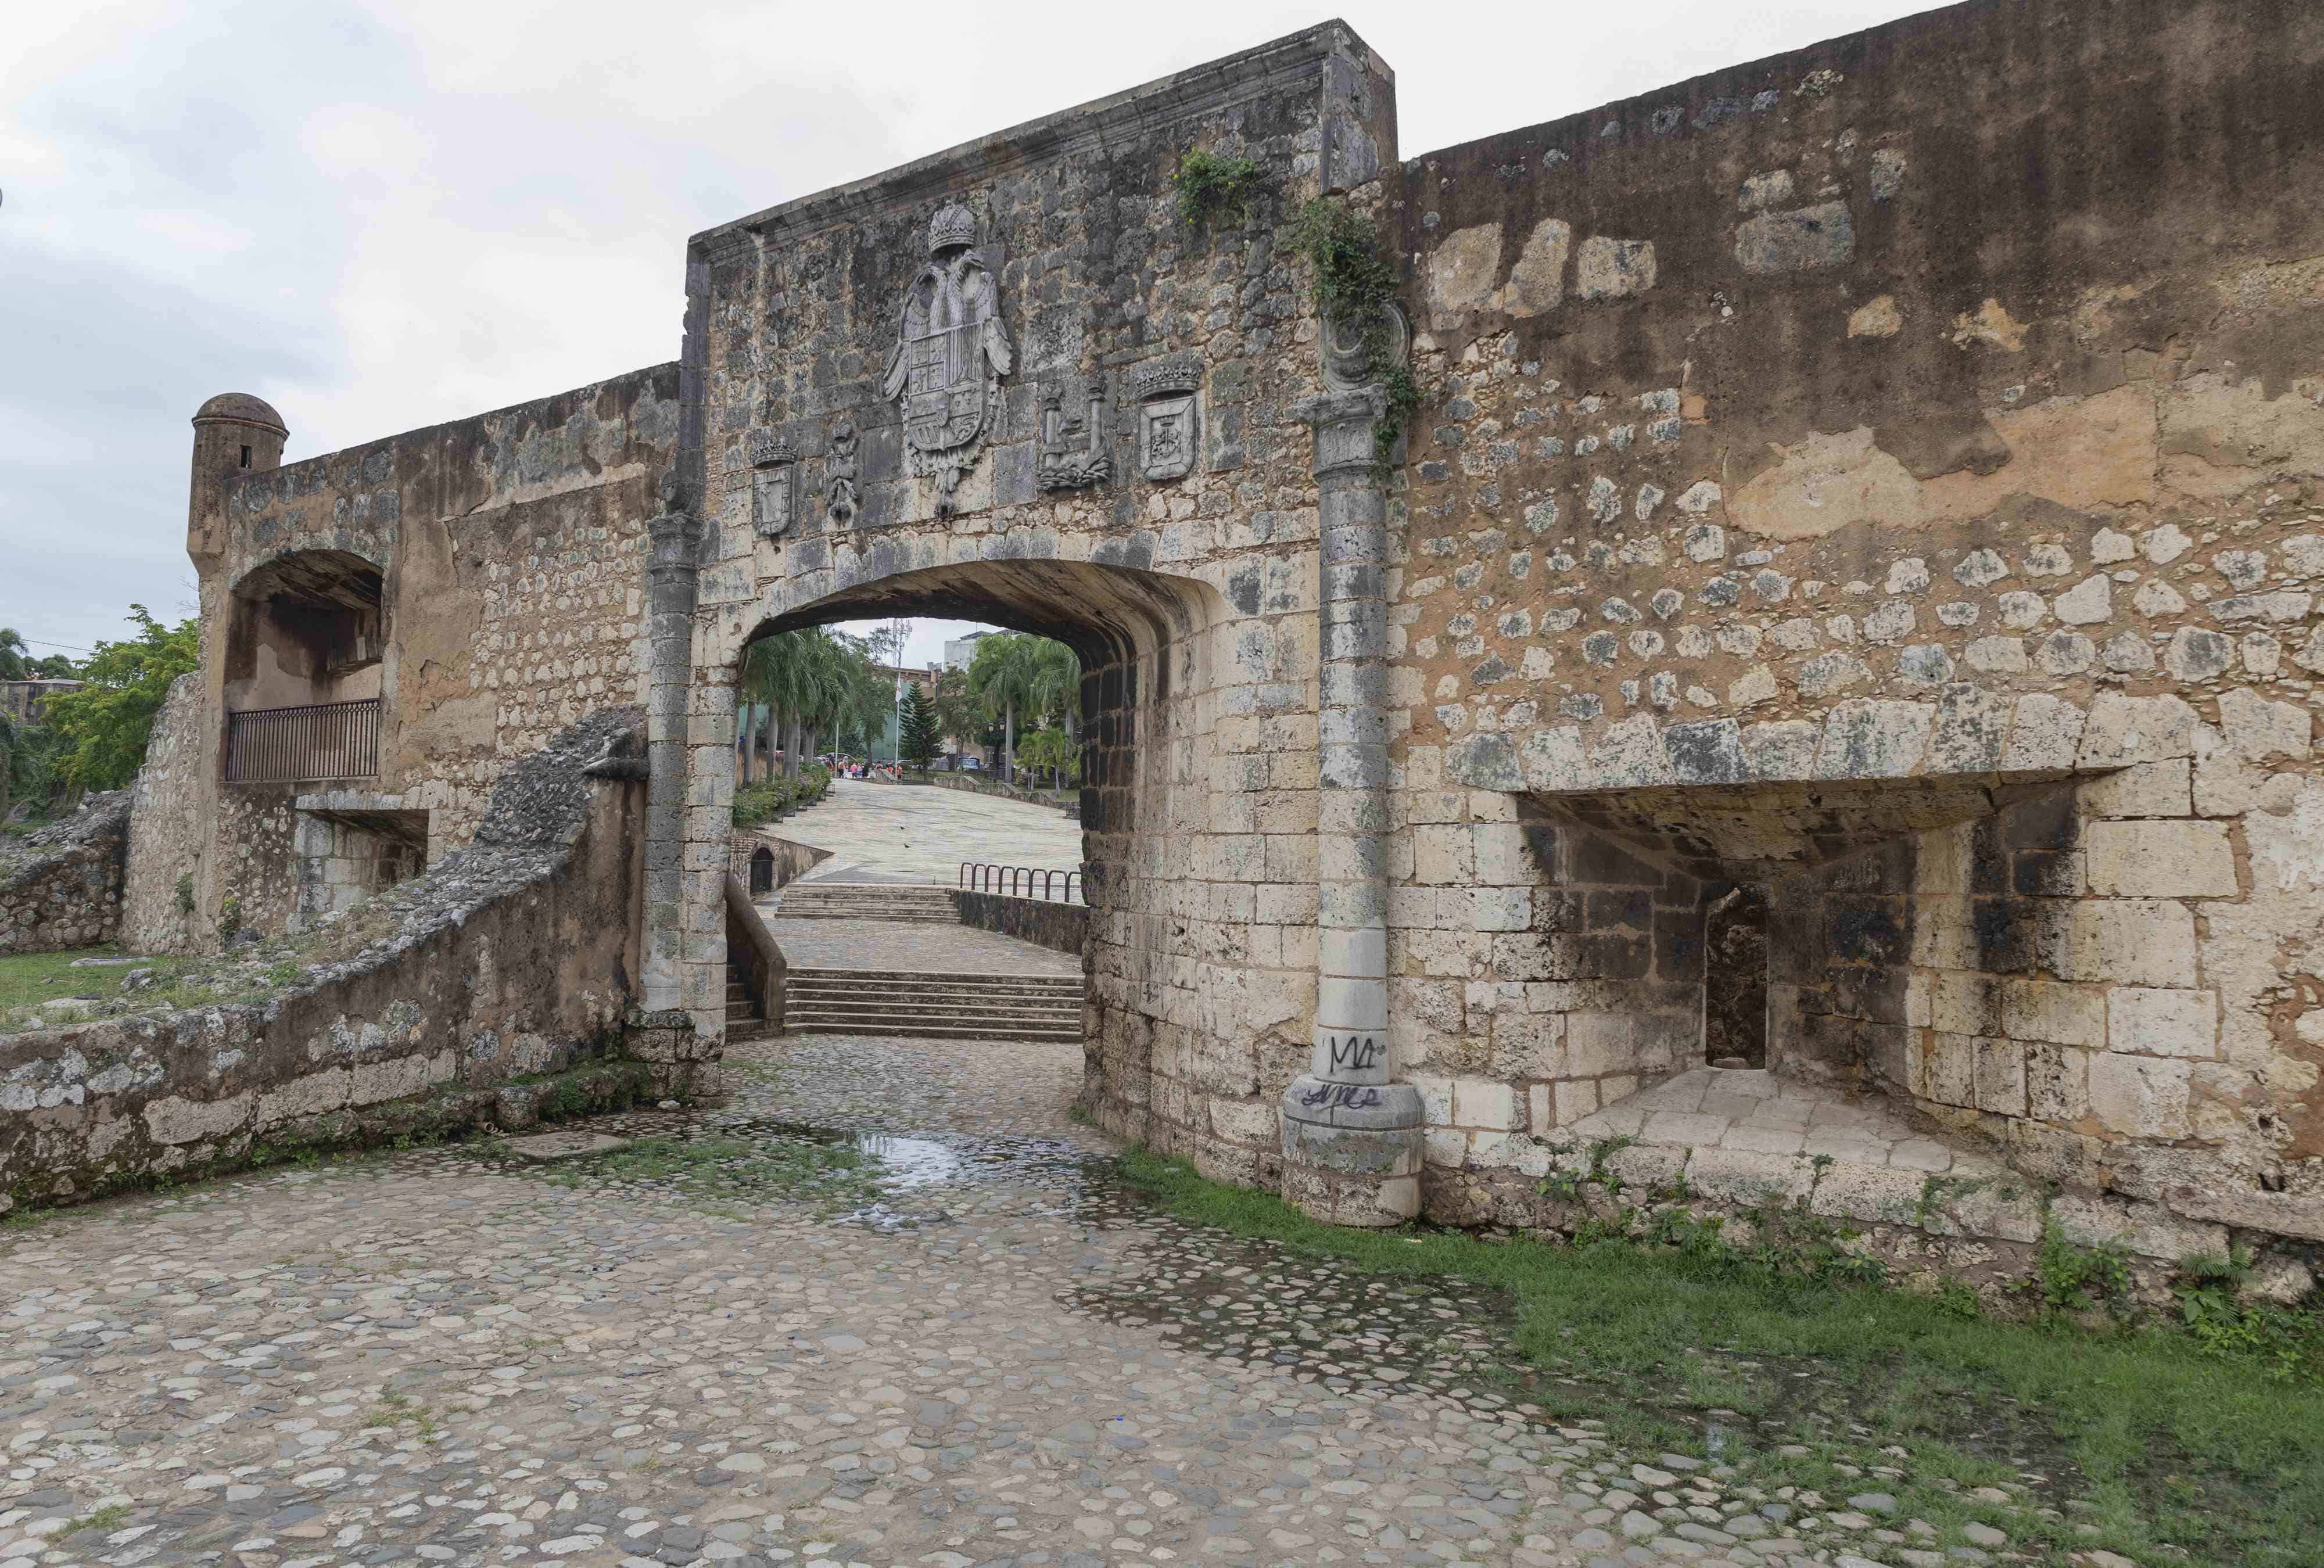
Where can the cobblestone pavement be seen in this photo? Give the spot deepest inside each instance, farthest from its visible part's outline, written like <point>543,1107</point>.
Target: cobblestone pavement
<point>921,833</point>
<point>904,945</point>
<point>979,1353</point>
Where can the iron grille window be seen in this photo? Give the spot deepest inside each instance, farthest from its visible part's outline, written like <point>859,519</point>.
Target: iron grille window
<point>331,740</point>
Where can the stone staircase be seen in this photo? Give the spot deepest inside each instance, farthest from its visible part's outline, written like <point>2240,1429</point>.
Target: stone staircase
<point>934,1006</point>
<point>921,903</point>
<point>745,1020</point>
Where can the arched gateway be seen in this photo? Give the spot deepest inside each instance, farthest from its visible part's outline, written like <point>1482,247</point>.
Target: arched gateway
<point>1790,531</point>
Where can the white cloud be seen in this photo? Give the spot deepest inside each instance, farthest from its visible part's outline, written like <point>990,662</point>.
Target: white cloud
<point>385,216</point>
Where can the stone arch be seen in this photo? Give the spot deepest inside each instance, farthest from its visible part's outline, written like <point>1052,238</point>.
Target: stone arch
<point>1200,783</point>
<point>1144,639</point>
<point>306,644</point>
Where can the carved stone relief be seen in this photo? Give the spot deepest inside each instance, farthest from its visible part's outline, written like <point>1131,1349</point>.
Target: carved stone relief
<point>1077,441</point>
<point>951,352</point>
<point>774,484</point>
<point>1167,415</point>
<point>839,475</point>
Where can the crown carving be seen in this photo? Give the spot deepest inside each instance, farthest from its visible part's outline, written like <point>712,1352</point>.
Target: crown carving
<point>771,447</point>
<point>1166,377</point>
<point>953,224</point>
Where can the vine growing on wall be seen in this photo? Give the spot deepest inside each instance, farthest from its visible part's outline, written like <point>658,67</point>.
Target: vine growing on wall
<point>1355,291</point>
<point>1210,188</point>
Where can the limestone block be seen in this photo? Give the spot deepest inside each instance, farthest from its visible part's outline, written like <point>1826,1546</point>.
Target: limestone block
<point>1785,751</point>
<point>1745,1178</point>
<point>2057,1083</point>
<point>1574,1101</point>
<point>2112,940</point>
<point>1868,739</point>
<point>2142,1228</point>
<point>2042,1010</point>
<point>2153,1022</point>
<point>1599,1043</point>
<point>2125,729</point>
<point>2161,859</point>
<point>2140,1096</point>
<point>182,1120</point>
<point>2044,735</point>
<point>2259,729</point>
<point>1485,1102</point>
<point>2148,789</point>
<point>1537,283</point>
<point>2087,603</point>
<point>1461,273</point>
<point>2001,1076</point>
<point>1609,269</point>
<point>1798,240</point>
<point>1875,1194</point>
<point>1502,909</point>
<point>309,1094</point>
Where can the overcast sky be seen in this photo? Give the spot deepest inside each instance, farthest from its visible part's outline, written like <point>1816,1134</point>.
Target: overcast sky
<point>383,215</point>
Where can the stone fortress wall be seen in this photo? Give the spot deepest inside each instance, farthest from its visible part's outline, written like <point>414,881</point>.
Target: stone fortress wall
<point>505,549</point>
<point>1137,488</point>
<point>1881,479</point>
<point>1888,474</point>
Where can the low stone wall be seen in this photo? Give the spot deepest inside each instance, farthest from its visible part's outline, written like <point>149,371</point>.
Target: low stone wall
<point>792,859</point>
<point>1071,804</point>
<point>1063,927</point>
<point>61,887</point>
<point>510,959</point>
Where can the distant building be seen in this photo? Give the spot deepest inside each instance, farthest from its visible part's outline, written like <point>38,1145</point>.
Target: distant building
<point>960,653</point>
<point>21,700</point>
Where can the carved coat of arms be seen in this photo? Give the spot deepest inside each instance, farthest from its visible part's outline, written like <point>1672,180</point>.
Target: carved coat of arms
<point>950,355</point>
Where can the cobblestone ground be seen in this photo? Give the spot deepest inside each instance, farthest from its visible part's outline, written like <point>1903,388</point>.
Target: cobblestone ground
<point>970,1349</point>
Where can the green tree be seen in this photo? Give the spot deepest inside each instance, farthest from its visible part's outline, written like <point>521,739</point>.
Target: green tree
<point>1016,673</point>
<point>918,737</point>
<point>1054,750</point>
<point>959,713</point>
<point>15,659</point>
<point>103,727</point>
<point>813,682</point>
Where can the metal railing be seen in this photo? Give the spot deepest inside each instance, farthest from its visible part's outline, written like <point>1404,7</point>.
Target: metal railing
<point>331,740</point>
<point>1023,882</point>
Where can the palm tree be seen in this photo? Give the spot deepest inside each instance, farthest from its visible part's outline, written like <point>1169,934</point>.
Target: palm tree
<point>813,681</point>
<point>1016,673</point>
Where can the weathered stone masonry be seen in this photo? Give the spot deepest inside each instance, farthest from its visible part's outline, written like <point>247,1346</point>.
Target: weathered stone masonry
<point>1860,548</point>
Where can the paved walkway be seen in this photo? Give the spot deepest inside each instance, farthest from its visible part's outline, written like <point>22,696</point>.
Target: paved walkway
<point>886,1307</point>
<point>896,944</point>
<point>904,833</point>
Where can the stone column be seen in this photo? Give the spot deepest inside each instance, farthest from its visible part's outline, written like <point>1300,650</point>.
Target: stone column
<point>672,571</point>
<point>1352,1138</point>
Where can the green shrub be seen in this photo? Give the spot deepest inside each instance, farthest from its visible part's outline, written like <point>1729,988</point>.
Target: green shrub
<point>1211,186</point>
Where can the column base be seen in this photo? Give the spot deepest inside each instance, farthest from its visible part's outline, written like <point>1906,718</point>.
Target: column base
<point>1351,1152</point>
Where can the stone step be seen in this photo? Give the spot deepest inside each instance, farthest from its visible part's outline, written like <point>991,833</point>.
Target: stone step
<point>998,992</point>
<point>955,1031</point>
<point>934,1004</point>
<point>1065,983</point>
<point>905,1018</point>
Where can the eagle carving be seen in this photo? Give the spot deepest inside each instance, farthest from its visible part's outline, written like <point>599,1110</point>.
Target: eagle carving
<point>950,355</point>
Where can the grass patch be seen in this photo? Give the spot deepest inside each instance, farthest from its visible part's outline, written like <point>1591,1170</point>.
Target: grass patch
<point>2157,1444</point>
<point>395,1409</point>
<point>719,1172</point>
<point>111,1517</point>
